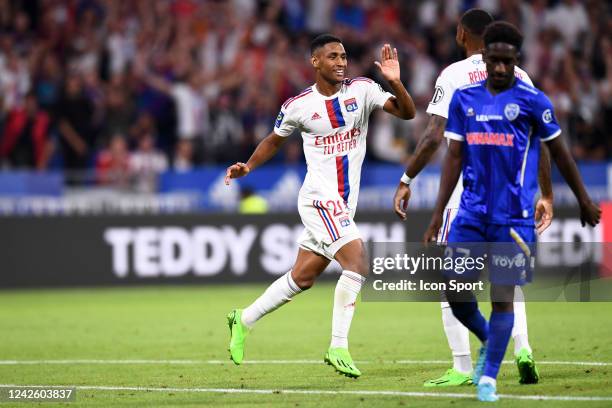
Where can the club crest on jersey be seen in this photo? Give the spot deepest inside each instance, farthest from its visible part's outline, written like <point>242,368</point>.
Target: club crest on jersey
<point>351,105</point>
<point>279,119</point>
<point>547,116</point>
<point>345,221</point>
<point>470,112</point>
<point>511,111</point>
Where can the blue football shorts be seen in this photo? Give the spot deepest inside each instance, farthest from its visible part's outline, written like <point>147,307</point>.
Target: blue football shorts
<point>507,251</point>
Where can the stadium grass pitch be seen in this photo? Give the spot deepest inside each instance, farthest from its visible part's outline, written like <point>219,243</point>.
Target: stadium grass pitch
<point>166,346</point>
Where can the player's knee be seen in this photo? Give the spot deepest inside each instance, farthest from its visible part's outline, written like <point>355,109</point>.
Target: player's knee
<point>353,257</point>
<point>358,267</point>
<point>304,280</point>
<point>364,270</point>
<point>305,284</point>
<point>360,264</point>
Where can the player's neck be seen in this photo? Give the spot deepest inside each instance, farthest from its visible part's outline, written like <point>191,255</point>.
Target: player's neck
<point>495,91</point>
<point>473,51</point>
<point>327,88</point>
<point>474,47</point>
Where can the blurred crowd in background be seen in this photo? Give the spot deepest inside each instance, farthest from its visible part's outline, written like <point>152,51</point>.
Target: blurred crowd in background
<point>110,89</point>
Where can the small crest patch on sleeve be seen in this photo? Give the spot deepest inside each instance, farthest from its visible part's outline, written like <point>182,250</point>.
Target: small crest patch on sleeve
<point>279,119</point>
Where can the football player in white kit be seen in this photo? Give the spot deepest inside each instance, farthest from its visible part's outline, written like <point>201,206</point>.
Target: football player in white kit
<point>470,70</point>
<point>332,116</point>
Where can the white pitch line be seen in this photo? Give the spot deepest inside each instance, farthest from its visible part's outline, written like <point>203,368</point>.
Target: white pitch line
<point>312,392</point>
<point>222,362</point>
<point>578,363</point>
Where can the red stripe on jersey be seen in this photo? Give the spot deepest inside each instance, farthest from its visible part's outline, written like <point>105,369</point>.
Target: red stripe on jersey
<point>358,79</point>
<point>340,175</point>
<point>291,100</point>
<point>330,113</point>
<point>369,81</point>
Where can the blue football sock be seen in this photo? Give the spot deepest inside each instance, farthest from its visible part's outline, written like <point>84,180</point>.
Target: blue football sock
<point>469,315</point>
<point>500,329</point>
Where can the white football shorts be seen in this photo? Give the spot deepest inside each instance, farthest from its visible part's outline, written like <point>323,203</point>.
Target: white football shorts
<point>328,226</point>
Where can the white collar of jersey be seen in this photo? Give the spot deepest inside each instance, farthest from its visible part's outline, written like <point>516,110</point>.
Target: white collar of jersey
<point>316,91</point>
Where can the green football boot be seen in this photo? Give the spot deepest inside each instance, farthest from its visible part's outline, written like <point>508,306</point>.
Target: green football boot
<point>238,333</point>
<point>452,378</point>
<point>528,372</point>
<point>341,360</point>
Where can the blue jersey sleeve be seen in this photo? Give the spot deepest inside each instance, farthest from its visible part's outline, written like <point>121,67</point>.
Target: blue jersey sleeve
<point>546,126</point>
<point>455,125</point>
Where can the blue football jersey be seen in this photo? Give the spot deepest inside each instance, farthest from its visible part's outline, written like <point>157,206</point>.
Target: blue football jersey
<point>501,149</point>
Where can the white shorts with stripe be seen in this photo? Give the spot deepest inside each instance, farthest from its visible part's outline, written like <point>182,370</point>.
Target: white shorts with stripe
<point>328,226</point>
<point>447,219</point>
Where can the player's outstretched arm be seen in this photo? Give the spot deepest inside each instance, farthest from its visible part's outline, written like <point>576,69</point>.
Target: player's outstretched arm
<point>264,151</point>
<point>427,146</point>
<point>451,170</point>
<point>544,206</point>
<point>402,104</point>
<point>590,213</point>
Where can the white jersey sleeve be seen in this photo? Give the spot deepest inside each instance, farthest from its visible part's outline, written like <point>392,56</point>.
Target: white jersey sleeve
<point>442,96</point>
<point>285,123</point>
<point>522,75</point>
<point>376,96</point>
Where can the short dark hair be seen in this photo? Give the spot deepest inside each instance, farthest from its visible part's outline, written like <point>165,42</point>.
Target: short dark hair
<point>476,21</point>
<point>503,32</point>
<point>321,40</point>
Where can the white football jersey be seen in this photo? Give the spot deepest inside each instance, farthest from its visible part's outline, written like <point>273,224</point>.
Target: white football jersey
<point>461,73</point>
<point>334,130</point>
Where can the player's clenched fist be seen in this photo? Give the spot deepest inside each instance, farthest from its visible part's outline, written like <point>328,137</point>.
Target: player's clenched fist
<point>590,213</point>
<point>236,171</point>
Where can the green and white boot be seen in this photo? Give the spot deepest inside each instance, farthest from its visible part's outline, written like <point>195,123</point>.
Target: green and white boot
<point>452,378</point>
<point>238,333</point>
<point>341,360</point>
<point>528,372</point>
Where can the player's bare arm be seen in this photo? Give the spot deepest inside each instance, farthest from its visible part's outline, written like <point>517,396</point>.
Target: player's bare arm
<point>544,205</point>
<point>265,150</point>
<point>402,104</point>
<point>427,146</point>
<point>590,213</point>
<point>451,170</point>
